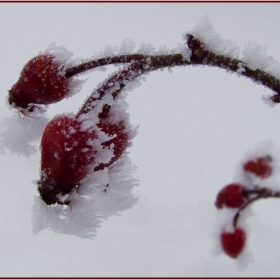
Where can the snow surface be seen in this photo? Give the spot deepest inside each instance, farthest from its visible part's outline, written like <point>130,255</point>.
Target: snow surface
<point>197,125</point>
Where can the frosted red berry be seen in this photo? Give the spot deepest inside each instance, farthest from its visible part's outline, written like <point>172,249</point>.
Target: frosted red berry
<point>233,242</point>
<point>65,154</point>
<point>231,196</point>
<point>41,82</point>
<point>68,153</point>
<point>261,167</point>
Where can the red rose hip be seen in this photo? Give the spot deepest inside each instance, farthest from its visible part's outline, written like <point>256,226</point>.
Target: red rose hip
<point>233,242</point>
<point>231,196</point>
<point>41,81</point>
<point>261,167</point>
<point>65,156</point>
<point>68,153</point>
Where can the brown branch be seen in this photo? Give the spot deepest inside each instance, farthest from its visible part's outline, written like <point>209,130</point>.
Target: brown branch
<point>118,81</point>
<point>200,55</point>
<point>141,64</point>
<point>259,193</point>
<point>75,70</point>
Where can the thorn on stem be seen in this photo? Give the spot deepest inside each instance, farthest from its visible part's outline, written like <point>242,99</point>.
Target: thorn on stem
<point>198,49</point>
<point>275,98</point>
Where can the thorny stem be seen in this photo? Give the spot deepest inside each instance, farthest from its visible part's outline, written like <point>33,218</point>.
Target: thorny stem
<point>112,86</point>
<point>101,62</point>
<point>259,194</point>
<point>117,82</point>
<point>141,64</point>
<point>257,75</point>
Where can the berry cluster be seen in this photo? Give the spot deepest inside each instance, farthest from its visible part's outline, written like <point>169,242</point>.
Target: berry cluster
<point>239,196</point>
<point>72,146</point>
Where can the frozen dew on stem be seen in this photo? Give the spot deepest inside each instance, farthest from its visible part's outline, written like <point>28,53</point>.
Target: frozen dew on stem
<point>255,64</point>
<point>254,55</point>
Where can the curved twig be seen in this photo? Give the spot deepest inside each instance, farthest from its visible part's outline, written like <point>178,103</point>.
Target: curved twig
<point>259,194</point>
<point>141,64</point>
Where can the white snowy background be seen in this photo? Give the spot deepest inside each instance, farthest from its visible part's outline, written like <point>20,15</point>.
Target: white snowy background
<point>196,125</point>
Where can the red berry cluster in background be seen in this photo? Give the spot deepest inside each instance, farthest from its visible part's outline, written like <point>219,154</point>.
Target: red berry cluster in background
<point>238,196</point>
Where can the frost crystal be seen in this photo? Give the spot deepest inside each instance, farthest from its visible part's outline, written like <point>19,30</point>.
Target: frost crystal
<point>205,32</point>
<point>106,193</point>
<point>255,57</point>
<point>240,67</point>
<point>17,133</point>
<point>63,57</point>
<point>60,54</point>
